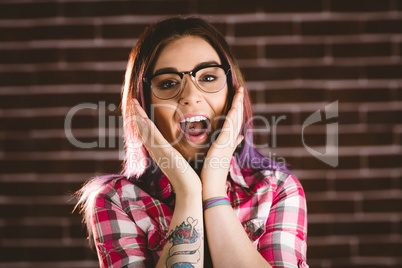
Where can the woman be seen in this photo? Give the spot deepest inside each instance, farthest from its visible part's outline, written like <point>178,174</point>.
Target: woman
<point>194,192</point>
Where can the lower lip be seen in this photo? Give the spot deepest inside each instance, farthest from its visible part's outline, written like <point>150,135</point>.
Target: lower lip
<point>196,138</point>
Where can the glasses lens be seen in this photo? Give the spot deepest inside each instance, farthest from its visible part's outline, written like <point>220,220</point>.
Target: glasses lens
<point>166,86</point>
<point>211,79</point>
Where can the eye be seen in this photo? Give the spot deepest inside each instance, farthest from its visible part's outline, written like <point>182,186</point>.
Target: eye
<point>208,78</point>
<point>168,84</point>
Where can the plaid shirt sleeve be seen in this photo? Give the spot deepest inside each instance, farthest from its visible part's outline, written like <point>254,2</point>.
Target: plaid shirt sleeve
<point>283,243</point>
<point>119,241</point>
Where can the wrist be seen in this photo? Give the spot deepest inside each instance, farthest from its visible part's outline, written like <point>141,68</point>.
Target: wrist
<point>188,191</point>
<point>211,193</point>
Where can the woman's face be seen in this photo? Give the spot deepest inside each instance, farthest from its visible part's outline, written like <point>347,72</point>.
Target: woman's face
<point>189,120</point>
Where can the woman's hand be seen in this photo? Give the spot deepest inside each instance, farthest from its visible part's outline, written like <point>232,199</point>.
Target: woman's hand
<point>180,174</point>
<point>217,161</point>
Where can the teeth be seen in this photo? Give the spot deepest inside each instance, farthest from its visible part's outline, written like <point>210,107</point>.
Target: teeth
<point>194,119</point>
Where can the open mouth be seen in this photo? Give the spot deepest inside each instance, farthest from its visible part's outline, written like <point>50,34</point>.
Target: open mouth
<point>195,128</point>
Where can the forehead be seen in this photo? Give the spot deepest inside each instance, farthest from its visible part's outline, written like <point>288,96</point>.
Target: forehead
<point>185,53</point>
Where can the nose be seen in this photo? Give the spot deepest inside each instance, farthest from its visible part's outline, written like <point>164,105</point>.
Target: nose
<point>190,93</point>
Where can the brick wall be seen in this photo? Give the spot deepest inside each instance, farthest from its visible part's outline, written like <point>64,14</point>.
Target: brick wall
<point>297,57</point>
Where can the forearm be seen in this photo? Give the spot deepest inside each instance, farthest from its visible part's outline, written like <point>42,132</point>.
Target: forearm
<point>227,240</point>
<point>185,241</point>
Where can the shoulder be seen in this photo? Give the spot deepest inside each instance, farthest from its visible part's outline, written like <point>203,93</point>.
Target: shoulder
<point>280,178</point>
<point>119,188</point>
<point>276,180</point>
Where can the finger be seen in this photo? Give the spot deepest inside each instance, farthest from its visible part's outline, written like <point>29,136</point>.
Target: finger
<point>238,98</point>
<point>147,129</point>
<point>237,116</point>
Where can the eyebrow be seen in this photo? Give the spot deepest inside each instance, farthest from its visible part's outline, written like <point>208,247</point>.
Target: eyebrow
<point>199,65</point>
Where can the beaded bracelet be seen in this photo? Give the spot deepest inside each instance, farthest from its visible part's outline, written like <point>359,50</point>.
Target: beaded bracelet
<point>215,201</point>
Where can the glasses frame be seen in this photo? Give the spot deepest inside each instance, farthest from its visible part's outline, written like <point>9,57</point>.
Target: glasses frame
<point>148,79</point>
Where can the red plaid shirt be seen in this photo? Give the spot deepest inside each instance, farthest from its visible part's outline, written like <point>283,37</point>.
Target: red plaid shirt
<point>130,225</point>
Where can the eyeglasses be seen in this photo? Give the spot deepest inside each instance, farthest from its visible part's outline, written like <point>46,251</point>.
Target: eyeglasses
<point>167,85</point>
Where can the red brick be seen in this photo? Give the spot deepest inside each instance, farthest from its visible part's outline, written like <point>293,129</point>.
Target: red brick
<point>119,31</point>
<point>295,140</point>
<point>47,122</point>
<point>38,189</point>
<point>253,96</point>
<point>30,56</point>
<point>60,166</point>
<point>269,73</point>
<point>330,28</point>
<point>13,79</point>
<point>60,100</point>
<point>384,249</point>
<point>384,117</point>
<point>362,50</point>
<point>355,228</point>
<point>351,117</point>
<point>329,251</point>
<point>53,32</point>
<point>314,185</point>
<point>363,184</point>
<point>261,119</point>
<point>362,228</point>
<point>45,254</point>
<point>221,7</point>
<point>285,6</point>
<point>362,264</point>
<point>366,139</point>
<point>330,72</point>
<point>360,95</point>
<point>383,71</point>
<point>97,54</point>
<point>330,206</point>
<point>245,52</point>
<point>382,205</point>
<point>31,231</point>
<point>399,94</point>
<point>359,5</point>
<point>312,163</point>
<point>118,8</point>
<point>61,77</point>
<point>56,144</point>
<point>78,231</point>
<point>383,26</point>
<point>221,27</point>
<point>295,95</point>
<point>320,229</point>
<point>295,51</point>
<point>385,161</point>
<point>35,210</point>
<point>28,10</point>
<point>264,29</point>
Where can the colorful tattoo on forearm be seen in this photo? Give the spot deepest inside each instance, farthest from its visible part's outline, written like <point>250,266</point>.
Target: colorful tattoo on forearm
<point>186,244</point>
